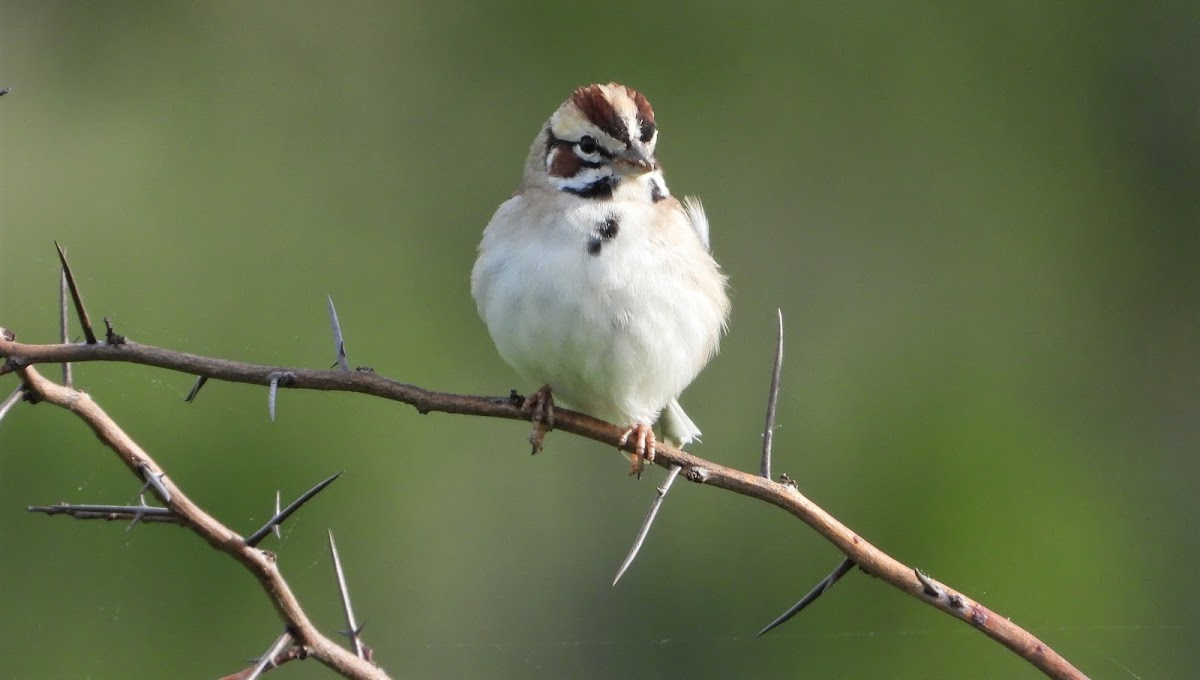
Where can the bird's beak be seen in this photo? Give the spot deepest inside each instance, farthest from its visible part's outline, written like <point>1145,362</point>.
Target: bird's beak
<point>639,157</point>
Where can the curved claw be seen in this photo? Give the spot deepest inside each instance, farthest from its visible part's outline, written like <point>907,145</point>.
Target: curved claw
<point>643,447</point>
<point>541,410</point>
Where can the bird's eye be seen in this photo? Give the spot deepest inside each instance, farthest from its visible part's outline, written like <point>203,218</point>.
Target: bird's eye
<point>587,145</point>
<point>646,132</point>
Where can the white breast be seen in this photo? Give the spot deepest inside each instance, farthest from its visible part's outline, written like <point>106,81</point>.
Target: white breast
<point>616,334</point>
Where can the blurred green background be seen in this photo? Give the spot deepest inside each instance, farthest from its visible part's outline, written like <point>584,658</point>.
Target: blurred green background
<point>980,221</point>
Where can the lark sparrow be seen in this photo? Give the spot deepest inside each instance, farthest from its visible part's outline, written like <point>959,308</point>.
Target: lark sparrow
<point>594,281</point>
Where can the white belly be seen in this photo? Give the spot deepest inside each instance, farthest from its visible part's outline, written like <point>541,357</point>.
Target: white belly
<point>616,334</point>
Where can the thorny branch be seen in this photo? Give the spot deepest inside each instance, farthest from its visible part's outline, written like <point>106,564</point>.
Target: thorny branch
<point>259,562</point>
<point>786,496</point>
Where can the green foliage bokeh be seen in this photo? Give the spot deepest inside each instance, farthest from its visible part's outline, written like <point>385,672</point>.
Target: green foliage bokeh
<point>980,222</point>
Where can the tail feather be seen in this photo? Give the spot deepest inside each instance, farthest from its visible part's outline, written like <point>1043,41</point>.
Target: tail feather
<point>677,428</point>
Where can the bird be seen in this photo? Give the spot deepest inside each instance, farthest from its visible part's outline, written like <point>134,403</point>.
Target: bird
<point>597,283</point>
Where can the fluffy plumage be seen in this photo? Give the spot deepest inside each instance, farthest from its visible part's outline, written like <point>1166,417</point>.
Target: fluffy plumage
<point>593,279</point>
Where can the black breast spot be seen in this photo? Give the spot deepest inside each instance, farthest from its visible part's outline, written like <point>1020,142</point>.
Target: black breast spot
<point>609,229</point>
<point>606,231</point>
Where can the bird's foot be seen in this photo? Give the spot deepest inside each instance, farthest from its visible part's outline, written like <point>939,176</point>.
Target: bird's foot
<point>541,414</point>
<point>644,445</point>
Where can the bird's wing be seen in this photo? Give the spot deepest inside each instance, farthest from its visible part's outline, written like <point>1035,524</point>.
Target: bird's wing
<point>695,214</point>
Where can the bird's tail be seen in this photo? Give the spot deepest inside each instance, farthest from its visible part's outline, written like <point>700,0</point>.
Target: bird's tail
<point>677,427</point>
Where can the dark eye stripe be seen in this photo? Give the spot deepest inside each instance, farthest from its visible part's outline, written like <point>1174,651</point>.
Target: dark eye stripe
<point>552,142</point>
<point>570,159</point>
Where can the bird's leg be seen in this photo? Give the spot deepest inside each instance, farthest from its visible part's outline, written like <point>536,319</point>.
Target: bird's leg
<point>541,410</point>
<point>643,447</point>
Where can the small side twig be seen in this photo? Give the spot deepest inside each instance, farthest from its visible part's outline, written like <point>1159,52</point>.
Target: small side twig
<point>111,336</point>
<point>111,513</point>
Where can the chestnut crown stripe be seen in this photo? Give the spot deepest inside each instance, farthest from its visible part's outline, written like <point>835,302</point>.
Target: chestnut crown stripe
<point>592,102</point>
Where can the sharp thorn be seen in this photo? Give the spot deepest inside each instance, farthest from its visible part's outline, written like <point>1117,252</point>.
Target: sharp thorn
<point>11,401</point>
<point>339,342</point>
<point>74,290</point>
<point>930,587</point>
<point>295,505</point>
<point>271,396</point>
<point>277,378</point>
<point>191,395</point>
<point>154,479</point>
<point>844,566</point>
<point>644,530</point>
<point>353,628</point>
<point>772,400</point>
<point>268,659</point>
<point>64,323</point>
